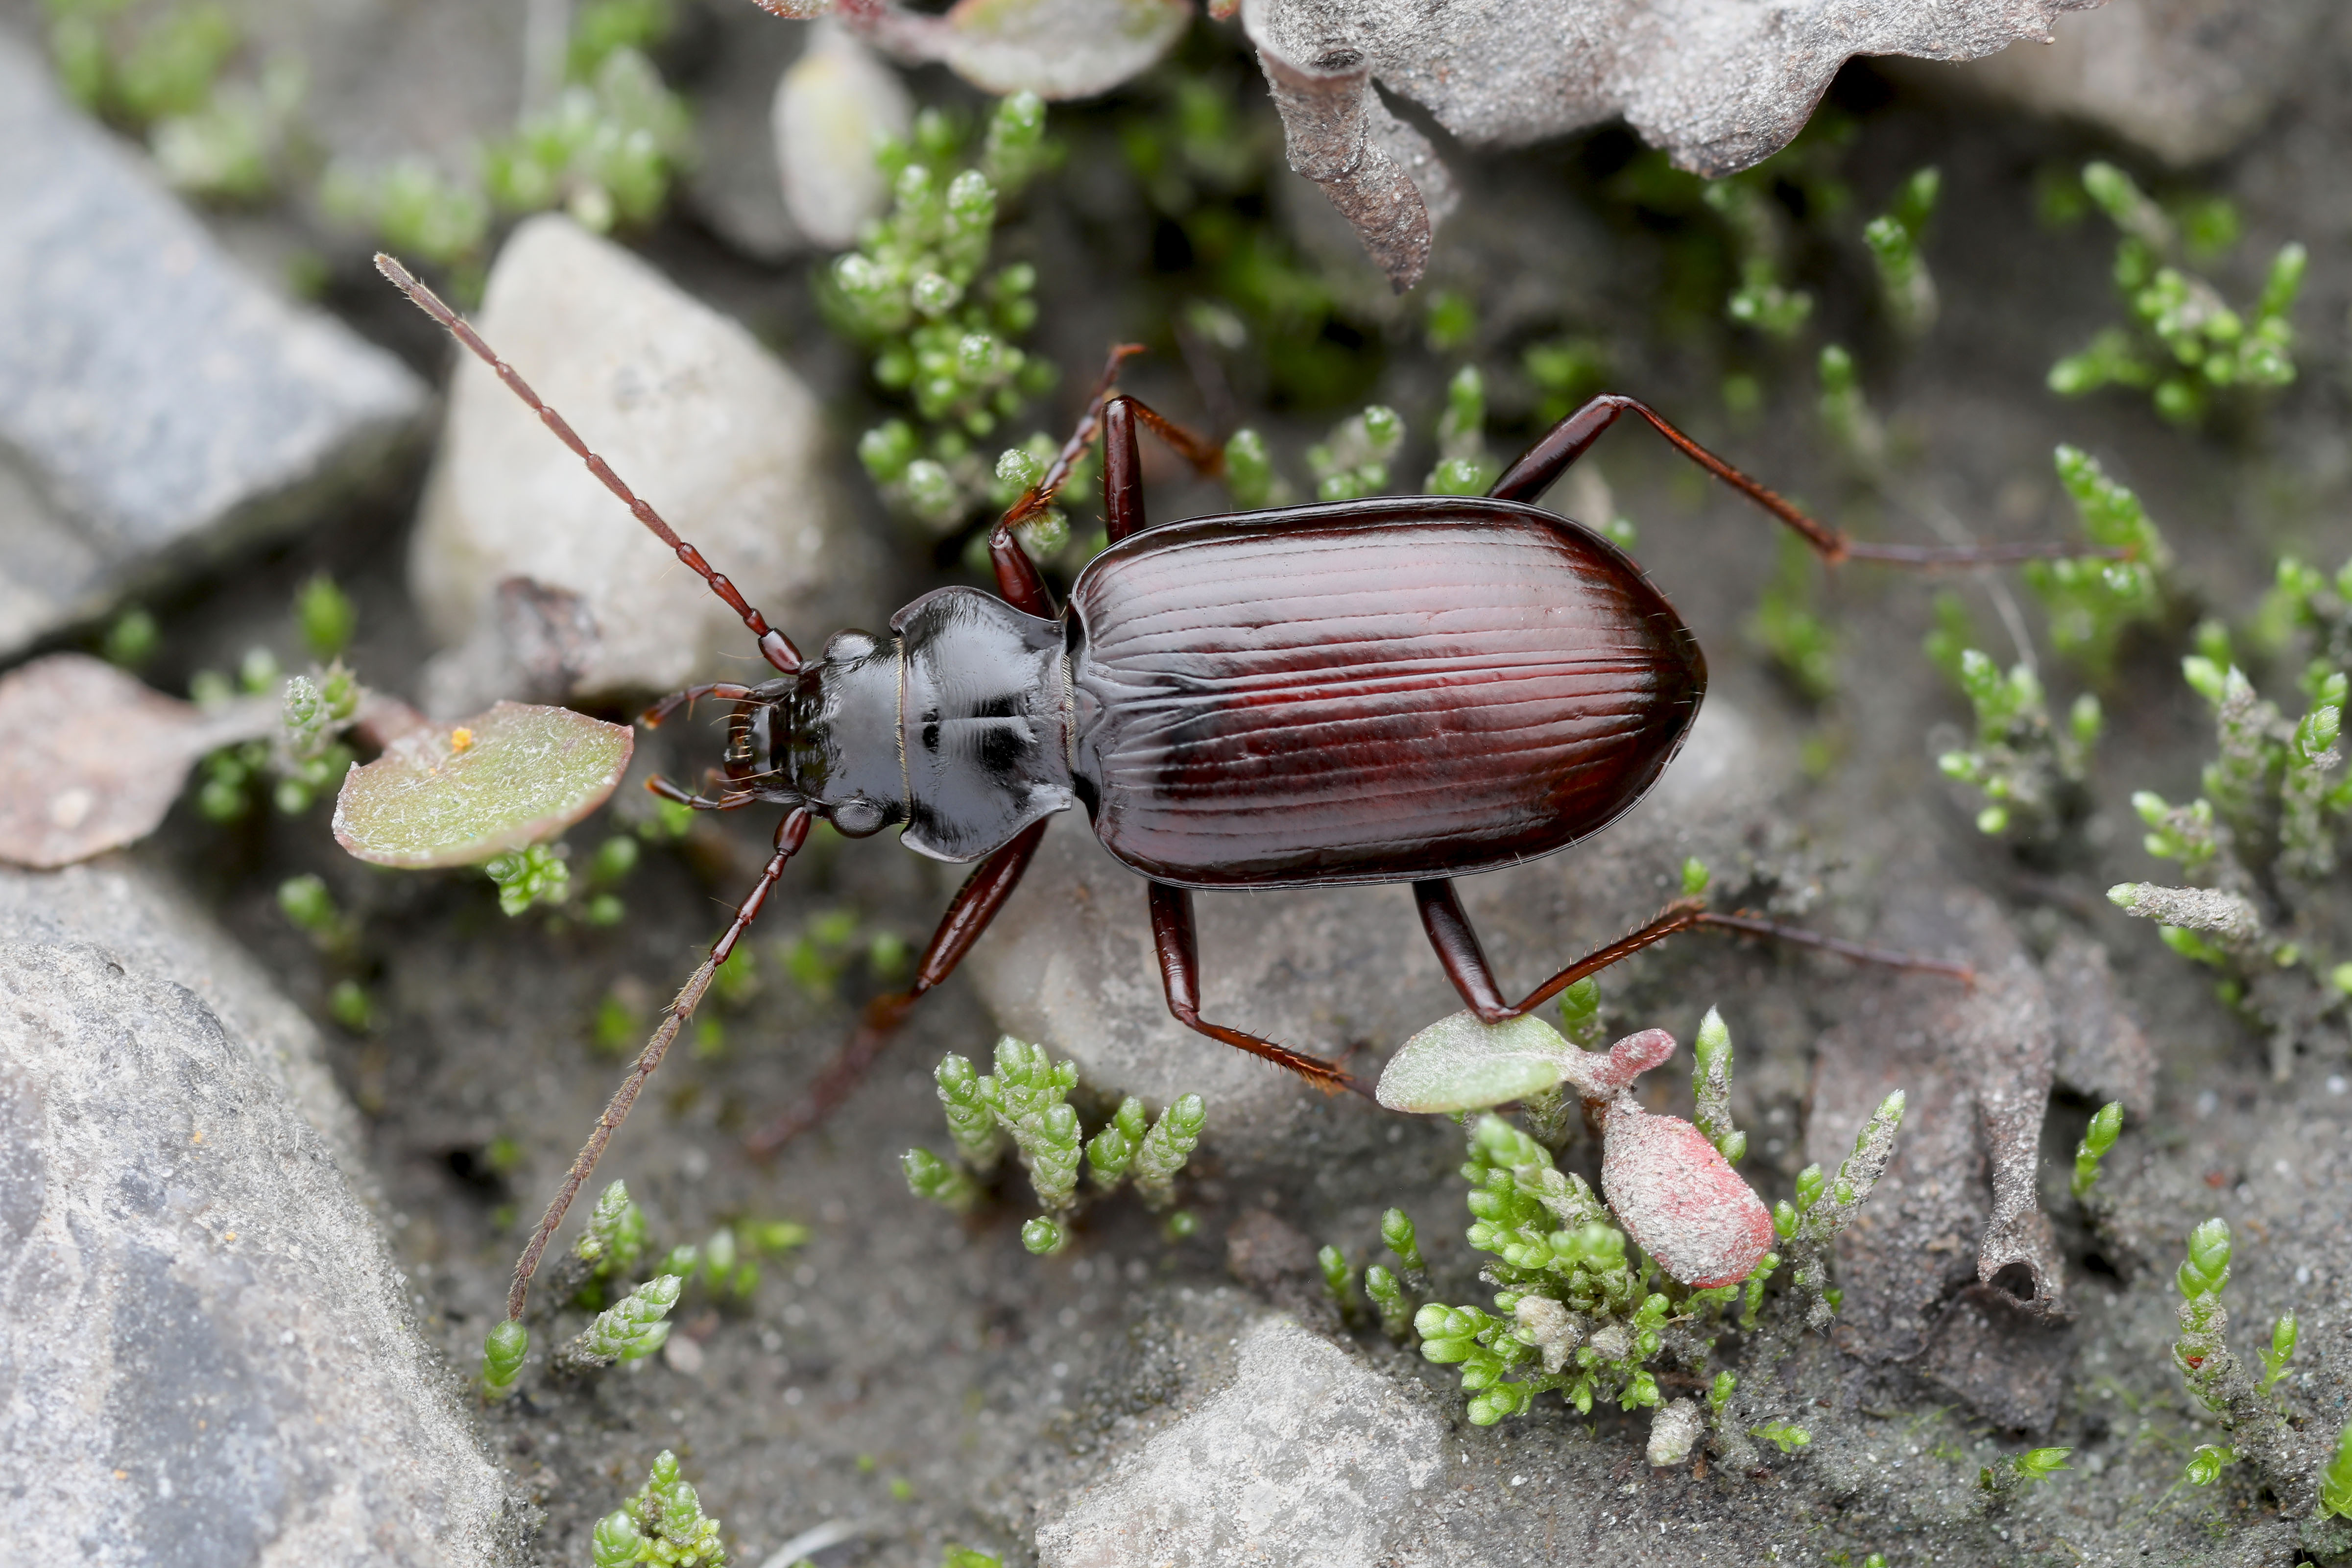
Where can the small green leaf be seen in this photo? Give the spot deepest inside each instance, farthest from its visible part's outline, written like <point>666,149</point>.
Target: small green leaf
<point>503,779</point>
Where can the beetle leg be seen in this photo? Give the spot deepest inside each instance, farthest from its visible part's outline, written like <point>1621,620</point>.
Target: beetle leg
<point>1180,964</point>
<point>1465,962</point>
<point>976,904</point>
<point>732,800</point>
<point>1123,462</point>
<point>1557,451</point>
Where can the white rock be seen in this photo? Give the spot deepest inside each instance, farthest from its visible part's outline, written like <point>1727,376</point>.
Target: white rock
<point>835,104</point>
<point>1310,1459</point>
<point>693,414</point>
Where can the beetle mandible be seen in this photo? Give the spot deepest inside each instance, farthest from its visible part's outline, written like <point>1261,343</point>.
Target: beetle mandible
<point>1392,689</point>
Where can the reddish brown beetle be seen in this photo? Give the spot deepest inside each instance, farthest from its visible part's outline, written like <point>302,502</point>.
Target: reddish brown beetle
<point>1402,689</point>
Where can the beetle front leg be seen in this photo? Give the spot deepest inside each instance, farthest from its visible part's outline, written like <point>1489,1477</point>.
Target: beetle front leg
<point>1180,964</point>
<point>976,904</point>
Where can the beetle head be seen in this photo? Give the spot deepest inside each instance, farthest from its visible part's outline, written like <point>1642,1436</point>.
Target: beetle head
<point>830,739</point>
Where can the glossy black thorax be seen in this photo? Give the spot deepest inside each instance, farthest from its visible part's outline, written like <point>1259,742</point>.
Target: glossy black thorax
<point>955,725</point>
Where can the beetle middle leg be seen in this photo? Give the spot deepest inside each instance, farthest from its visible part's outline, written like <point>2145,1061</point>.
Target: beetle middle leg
<point>1464,960</point>
<point>1123,461</point>
<point>1179,964</point>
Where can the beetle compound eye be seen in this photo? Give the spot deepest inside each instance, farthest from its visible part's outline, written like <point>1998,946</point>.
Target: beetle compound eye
<point>854,819</point>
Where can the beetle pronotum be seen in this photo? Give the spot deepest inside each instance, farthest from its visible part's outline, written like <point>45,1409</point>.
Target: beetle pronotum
<point>1401,689</point>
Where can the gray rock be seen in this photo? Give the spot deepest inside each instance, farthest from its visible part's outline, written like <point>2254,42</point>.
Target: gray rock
<point>2187,80</point>
<point>157,404</point>
<point>1310,1458</point>
<point>1070,963</point>
<point>694,415</point>
<point>210,1357</point>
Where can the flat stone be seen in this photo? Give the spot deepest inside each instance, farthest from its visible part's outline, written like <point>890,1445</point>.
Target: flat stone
<point>1310,1458</point>
<point>1957,1203</point>
<point>694,415</point>
<point>1070,963</point>
<point>2103,1053</point>
<point>159,406</point>
<point>210,1354</point>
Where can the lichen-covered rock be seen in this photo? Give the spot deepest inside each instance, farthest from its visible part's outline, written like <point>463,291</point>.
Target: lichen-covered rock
<point>158,406</point>
<point>1719,84</point>
<point>687,407</point>
<point>211,1361</point>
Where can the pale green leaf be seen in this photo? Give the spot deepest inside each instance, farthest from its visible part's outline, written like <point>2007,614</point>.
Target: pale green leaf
<point>455,794</point>
<point>1461,1064</point>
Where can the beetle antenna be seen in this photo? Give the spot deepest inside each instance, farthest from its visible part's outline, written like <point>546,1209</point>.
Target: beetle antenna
<point>790,833</point>
<point>774,646</point>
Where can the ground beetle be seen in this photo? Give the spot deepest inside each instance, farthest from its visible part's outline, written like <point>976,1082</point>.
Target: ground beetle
<point>1404,689</point>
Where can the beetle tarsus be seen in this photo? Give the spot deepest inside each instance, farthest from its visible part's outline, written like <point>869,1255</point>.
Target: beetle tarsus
<point>1860,953</point>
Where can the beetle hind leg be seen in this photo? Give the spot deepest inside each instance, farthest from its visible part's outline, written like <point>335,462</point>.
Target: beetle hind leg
<point>1465,962</point>
<point>1179,964</point>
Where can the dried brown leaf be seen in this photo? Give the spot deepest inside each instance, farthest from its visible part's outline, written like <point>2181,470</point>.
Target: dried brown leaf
<point>95,758</point>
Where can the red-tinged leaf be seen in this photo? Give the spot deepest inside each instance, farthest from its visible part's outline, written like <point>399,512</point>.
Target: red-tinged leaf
<point>452,794</point>
<point>1680,1200</point>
